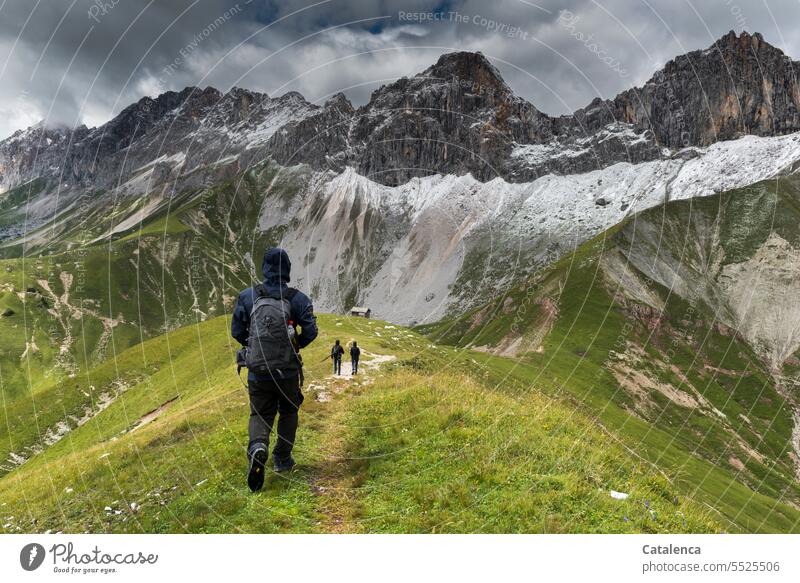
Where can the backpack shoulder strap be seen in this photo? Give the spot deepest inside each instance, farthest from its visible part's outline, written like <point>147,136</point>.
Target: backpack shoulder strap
<point>288,294</point>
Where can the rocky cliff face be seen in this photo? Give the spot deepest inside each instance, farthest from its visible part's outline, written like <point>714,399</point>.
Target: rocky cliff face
<point>740,85</point>
<point>175,132</point>
<point>456,117</point>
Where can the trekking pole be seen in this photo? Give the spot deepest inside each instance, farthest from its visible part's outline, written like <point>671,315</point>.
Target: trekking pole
<point>239,375</point>
<point>240,364</point>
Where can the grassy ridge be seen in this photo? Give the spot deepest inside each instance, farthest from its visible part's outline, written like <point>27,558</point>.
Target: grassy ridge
<point>444,453</point>
<point>690,393</point>
<point>408,451</point>
<point>72,308</point>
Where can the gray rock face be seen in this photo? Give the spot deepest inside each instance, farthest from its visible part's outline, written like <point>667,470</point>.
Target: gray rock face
<point>320,139</point>
<point>740,85</point>
<point>456,117</point>
<point>197,127</point>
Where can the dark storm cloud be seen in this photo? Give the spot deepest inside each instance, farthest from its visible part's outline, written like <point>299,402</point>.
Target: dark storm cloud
<point>71,61</point>
<point>79,60</point>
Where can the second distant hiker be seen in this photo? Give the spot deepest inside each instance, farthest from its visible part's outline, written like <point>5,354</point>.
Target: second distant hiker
<point>355,353</point>
<point>337,351</point>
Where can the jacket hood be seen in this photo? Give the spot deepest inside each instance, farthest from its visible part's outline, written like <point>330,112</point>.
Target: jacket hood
<point>276,266</point>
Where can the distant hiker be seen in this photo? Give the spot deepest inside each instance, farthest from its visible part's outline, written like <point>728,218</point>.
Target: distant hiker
<point>265,322</point>
<point>336,354</point>
<point>355,353</point>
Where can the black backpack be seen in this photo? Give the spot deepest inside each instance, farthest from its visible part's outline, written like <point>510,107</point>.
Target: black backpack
<point>269,348</point>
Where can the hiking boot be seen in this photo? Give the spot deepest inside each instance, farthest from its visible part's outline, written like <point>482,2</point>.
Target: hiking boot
<point>255,473</point>
<point>283,465</point>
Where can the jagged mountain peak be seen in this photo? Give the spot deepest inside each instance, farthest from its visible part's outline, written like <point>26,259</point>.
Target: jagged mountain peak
<point>236,92</point>
<point>466,66</point>
<point>340,102</point>
<point>742,40</point>
<point>734,49</point>
<point>740,85</point>
<point>293,96</point>
<point>460,71</point>
<point>36,129</point>
<point>166,101</point>
<point>149,110</point>
<point>730,50</point>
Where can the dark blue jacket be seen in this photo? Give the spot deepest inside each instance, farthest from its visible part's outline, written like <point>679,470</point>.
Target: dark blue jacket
<point>276,269</point>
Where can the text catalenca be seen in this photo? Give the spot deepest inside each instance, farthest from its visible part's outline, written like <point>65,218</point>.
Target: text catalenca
<point>669,550</point>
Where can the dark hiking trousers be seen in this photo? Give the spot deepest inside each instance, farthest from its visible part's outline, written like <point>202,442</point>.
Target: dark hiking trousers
<point>281,397</point>
<point>354,365</point>
<point>337,366</point>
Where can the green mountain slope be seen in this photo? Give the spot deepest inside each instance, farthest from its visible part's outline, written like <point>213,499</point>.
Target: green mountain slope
<point>83,298</point>
<point>676,329</point>
<point>659,359</point>
<point>399,449</point>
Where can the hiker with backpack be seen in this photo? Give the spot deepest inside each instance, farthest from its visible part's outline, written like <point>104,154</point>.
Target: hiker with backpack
<point>265,323</point>
<point>336,354</point>
<point>355,353</point>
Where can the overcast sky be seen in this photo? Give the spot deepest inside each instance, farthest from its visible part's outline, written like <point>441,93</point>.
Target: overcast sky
<point>82,61</point>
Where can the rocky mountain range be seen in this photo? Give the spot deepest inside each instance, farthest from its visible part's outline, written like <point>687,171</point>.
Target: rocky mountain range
<point>456,117</point>
<point>441,184</point>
